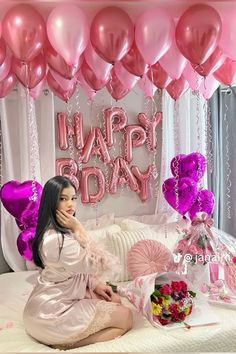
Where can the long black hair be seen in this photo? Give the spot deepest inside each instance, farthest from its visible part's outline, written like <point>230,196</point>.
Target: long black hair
<point>47,213</point>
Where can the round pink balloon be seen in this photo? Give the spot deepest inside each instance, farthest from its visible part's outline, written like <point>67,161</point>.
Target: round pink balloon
<point>24,31</point>
<point>177,87</point>
<point>66,84</point>
<point>173,62</point>
<point>158,76</point>
<point>134,62</point>
<point>59,91</point>
<point>193,78</point>
<point>8,84</point>
<point>112,33</point>
<point>31,73</point>
<point>5,67</point>
<point>154,33</point>
<point>128,80</point>
<point>226,74</point>
<point>37,90</point>
<point>198,32</point>
<point>68,32</point>
<point>2,51</point>
<point>115,87</point>
<point>228,37</point>
<point>99,66</point>
<point>58,64</point>
<point>94,82</point>
<point>208,86</point>
<point>90,93</point>
<point>214,61</point>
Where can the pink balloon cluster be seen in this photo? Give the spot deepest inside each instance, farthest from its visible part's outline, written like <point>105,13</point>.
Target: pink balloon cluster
<point>66,52</point>
<point>182,192</point>
<point>22,201</point>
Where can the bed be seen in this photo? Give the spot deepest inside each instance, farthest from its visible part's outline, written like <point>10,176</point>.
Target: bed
<point>15,288</point>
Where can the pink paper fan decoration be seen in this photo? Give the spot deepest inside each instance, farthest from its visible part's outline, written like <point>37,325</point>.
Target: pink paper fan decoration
<point>148,256</point>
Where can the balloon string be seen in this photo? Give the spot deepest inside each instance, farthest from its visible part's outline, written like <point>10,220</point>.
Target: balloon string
<point>176,127</point>
<point>70,138</point>
<point>227,159</point>
<point>77,109</point>
<point>33,140</point>
<point>209,138</point>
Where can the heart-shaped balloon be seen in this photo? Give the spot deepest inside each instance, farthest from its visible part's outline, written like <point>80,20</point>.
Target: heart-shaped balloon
<point>192,166</point>
<point>180,193</point>
<point>24,243</point>
<point>18,199</point>
<point>204,202</point>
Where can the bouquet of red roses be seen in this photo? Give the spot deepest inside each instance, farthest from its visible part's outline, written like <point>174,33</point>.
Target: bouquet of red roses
<point>171,302</point>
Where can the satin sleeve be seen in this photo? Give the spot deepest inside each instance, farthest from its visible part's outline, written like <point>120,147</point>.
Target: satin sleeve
<point>67,254</point>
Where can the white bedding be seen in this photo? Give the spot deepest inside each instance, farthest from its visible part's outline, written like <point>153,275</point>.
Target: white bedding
<point>15,288</point>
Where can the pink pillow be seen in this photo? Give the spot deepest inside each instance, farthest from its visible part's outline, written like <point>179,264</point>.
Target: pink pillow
<point>148,256</point>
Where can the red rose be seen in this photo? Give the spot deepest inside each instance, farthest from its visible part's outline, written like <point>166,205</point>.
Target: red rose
<point>176,286</point>
<point>181,316</point>
<point>183,285</point>
<point>163,322</point>
<point>165,289</point>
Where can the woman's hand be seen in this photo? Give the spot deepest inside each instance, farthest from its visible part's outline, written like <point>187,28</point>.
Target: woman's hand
<point>104,291</point>
<point>69,222</point>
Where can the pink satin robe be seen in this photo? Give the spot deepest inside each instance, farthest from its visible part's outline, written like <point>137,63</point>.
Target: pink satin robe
<point>62,309</point>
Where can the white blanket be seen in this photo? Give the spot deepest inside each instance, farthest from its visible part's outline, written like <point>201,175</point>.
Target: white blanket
<point>16,287</point>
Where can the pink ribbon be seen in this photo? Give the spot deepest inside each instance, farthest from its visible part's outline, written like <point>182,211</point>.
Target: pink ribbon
<point>205,219</point>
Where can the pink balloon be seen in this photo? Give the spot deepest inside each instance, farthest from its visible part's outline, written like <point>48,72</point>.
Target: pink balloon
<point>180,193</point>
<point>68,32</point>
<point>134,62</point>
<point>158,76</point>
<point>150,128</point>
<point>58,64</point>
<point>94,82</point>
<point>112,33</point>
<point>173,62</point>
<point>24,242</point>
<point>192,165</point>
<point>115,119</point>
<point>5,67</point>
<point>204,202</point>
<point>147,86</point>
<point>154,33</point>
<point>226,74</point>
<point>128,80</point>
<point>228,37</point>
<point>99,66</point>
<point>193,78</point>
<point>90,93</point>
<point>177,87</point>
<point>24,31</point>
<point>143,179</point>
<point>87,197</point>
<point>59,91</point>
<point>3,51</point>
<point>208,86</point>
<point>8,84</point>
<point>198,32</point>
<point>95,144</point>
<point>214,61</point>
<point>115,87</point>
<point>65,165</point>
<point>135,136</point>
<point>31,73</point>
<point>66,84</point>
<point>122,174</point>
<point>37,90</point>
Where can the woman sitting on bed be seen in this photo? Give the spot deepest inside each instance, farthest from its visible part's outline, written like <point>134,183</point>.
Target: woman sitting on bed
<point>69,307</point>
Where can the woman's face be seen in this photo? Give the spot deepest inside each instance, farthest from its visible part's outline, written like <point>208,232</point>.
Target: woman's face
<point>67,201</point>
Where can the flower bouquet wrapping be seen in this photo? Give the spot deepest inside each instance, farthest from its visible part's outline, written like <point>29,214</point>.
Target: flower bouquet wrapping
<point>167,299</point>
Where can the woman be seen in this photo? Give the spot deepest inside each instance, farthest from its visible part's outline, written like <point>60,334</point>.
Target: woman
<point>69,307</point>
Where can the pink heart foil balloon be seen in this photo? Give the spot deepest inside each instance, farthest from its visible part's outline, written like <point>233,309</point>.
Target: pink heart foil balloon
<point>204,202</point>
<point>180,193</point>
<point>24,243</point>
<point>17,199</point>
<point>192,166</point>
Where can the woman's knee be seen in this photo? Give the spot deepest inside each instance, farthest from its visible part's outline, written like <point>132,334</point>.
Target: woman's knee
<point>127,318</point>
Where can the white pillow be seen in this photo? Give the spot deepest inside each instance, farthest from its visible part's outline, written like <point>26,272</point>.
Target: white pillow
<point>120,243</point>
<point>99,234</point>
<point>160,218</point>
<point>101,221</point>
<point>129,225</point>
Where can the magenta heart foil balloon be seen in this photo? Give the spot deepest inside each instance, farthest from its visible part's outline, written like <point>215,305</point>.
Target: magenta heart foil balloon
<point>204,202</point>
<point>180,193</point>
<point>24,243</point>
<point>192,166</point>
<point>17,199</point>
